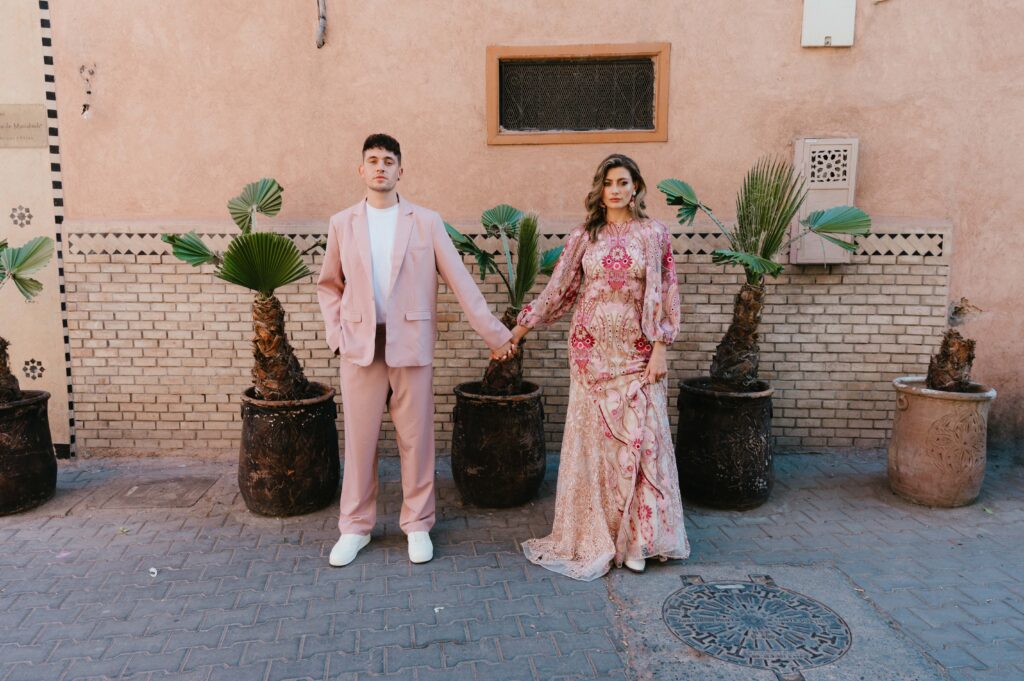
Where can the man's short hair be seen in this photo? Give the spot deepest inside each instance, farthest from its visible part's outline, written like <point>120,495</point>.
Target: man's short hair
<point>386,142</point>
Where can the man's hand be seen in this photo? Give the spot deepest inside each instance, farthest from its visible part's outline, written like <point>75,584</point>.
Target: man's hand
<point>503,353</point>
<point>657,366</point>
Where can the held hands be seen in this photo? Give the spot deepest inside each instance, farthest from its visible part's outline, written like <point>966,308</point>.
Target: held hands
<point>505,352</point>
<point>657,366</point>
<point>509,349</point>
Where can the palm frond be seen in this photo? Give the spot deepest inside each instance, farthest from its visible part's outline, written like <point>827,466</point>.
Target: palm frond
<point>17,263</point>
<point>262,262</point>
<point>527,260</point>
<point>839,220</point>
<point>679,193</point>
<point>189,248</point>
<point>771,194</point>
<point>262,196</point>
<point>753,264</point>
<point>549,259</point>
<point>466,246</point>
<point>502,220</point>
<point>28,286</point>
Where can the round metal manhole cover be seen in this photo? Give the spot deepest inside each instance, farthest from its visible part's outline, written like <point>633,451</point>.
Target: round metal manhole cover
<point>758,625</point>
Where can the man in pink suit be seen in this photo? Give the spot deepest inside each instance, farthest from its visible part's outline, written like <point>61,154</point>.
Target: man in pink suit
<point>378,296</point>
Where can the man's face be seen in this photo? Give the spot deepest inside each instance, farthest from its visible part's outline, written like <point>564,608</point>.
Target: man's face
<point>380,170</point>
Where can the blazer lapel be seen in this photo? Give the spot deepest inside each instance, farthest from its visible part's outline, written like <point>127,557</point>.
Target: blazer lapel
<point>403,230</point>
<point>361,234</point>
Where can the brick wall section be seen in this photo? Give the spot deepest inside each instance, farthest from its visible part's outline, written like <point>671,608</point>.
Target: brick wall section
<point>160,351</point>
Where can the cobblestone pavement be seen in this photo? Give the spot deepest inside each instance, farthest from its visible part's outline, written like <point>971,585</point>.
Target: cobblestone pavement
<point>91,588</point>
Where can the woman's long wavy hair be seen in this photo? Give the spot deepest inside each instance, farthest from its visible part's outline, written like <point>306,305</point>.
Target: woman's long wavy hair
<point>595,206</point>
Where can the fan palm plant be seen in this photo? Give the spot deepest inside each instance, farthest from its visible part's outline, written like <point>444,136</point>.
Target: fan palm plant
<point>509,225</point>
<point>770,197</point>
<point>16,264</point>
<point>261,262</point>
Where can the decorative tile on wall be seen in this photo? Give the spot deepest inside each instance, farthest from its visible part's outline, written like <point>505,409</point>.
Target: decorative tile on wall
<point>21,216</point>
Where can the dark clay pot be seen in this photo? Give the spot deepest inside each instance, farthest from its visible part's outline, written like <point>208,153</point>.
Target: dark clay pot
<point>28,468</point>
<point>724,445</point>
<point>288,462</point>
<point>498,453</point>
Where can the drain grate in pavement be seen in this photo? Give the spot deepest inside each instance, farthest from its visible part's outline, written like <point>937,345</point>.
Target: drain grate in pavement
<point>757,624</point>
<point>169,493</point>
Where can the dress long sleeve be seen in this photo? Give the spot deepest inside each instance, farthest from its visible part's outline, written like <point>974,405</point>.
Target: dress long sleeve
<point>558,296</point>
<point>661,309</point>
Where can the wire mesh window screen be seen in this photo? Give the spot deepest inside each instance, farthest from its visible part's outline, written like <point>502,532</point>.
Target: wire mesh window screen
<point>577,94</point>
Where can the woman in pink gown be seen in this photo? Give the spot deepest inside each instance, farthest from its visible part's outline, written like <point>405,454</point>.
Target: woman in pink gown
<point>617,499</point>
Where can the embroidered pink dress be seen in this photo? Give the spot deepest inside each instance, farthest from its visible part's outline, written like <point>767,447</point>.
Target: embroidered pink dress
<point>618,490</point>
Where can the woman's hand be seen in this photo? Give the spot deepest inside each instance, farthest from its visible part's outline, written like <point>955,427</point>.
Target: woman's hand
<point>503,353</point>
<point>518,332</point>
<point>657,365</point>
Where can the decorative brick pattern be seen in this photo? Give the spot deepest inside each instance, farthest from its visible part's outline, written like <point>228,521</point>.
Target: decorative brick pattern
<point>160,351</point>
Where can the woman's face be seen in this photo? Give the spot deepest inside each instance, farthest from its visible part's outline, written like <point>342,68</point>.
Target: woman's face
<point>618,188</point>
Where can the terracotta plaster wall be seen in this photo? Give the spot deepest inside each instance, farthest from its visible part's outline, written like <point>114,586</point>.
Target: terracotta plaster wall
<point>193,99</point>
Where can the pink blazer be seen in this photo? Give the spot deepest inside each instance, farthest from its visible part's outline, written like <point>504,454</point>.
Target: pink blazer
<point>422,249</point>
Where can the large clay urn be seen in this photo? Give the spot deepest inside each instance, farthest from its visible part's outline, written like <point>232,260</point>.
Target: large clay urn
<point>288,462</point>
<point>938,448</point>
<point>724,445</point>
<point>28,468</point>
<point>498,453</point>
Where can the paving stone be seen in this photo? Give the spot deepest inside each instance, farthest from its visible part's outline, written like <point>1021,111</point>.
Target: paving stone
<point>215,655</point>
<point>256,672</point>
<point>503,671</point>
<point>80,669</point>
<point>518,606</point>
<point>401,658</point>
<point>146,662</point>
<point>454,632</point>
<point>461,672</point>
<point>311,668</point>
<point>37,672</point>
<point>371,662</point>
<point>257,651</point>
<point>507,627</point>
<point>527,646</point>
<point>475,651</point>
<point>546,623</point>
<point>342,642</point>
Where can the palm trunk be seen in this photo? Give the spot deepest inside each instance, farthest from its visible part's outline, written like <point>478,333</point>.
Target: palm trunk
<point>950,369</point>
<point>505,378</point>
<point>10,391</point>
<point>734,367</point>
<point>276,374</point>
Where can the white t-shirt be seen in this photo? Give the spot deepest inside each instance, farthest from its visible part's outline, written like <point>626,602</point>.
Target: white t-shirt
<point>382,222</point>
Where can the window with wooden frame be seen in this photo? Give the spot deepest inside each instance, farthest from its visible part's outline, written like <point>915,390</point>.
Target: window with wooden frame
<point>573,94</point>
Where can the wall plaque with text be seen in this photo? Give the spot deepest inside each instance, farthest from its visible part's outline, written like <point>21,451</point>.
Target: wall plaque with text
<point>23,125</point>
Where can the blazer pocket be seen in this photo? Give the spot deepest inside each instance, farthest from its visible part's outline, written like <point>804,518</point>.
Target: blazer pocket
<point>416,315</point>
<point>351,316</point>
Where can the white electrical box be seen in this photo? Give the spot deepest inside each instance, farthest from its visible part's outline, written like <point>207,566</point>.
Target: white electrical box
<point>828,23</point>
<point>829,168</point>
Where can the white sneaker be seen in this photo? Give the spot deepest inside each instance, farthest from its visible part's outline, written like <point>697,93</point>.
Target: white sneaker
<point>346,549</point>
<point>636,564</point>
<point>420,548</point>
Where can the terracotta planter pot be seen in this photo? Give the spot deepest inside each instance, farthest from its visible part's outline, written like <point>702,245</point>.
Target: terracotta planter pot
<point>28,468</point>
<point>288,462</point>
<point>938,448</point>
<point>498,453</point>
<point>724,445</point>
